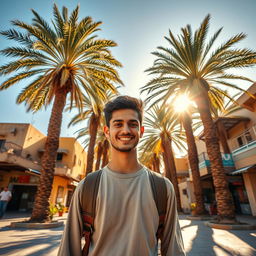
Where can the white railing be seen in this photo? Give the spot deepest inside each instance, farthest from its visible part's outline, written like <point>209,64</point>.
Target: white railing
<point>244,140</point>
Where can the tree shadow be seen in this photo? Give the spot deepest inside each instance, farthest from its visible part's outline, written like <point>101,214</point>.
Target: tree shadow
<point>21,242</point>
<point>247,237</point>
<point>204,243</point>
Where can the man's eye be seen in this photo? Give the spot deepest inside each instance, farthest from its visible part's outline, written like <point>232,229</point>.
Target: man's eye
<point>134,125</point>
<point>117,125</point>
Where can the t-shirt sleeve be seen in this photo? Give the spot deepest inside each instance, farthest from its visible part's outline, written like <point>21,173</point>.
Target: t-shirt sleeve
<point>172,243</point>
<point>71,239</point>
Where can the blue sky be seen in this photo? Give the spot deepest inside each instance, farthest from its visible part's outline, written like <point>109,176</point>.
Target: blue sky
<point>138,27</point>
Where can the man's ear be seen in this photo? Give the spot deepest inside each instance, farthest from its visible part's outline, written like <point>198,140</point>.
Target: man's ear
<point>106,131</point>
<point>141,131</point>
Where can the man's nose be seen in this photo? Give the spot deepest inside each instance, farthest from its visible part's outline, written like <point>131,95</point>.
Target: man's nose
<point>126,128</point>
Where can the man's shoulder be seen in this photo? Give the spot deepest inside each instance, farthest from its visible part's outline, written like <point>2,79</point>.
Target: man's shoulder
<point>168,183</point>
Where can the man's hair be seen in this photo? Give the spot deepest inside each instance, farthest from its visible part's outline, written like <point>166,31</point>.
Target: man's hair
<point>123,102</point>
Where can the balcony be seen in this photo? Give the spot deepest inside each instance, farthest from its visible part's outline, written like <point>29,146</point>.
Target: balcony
<point>205,166</point>
<point>11,147</point>
<point>244,145</point>
<point>13,155</point>
<point>63,170</point>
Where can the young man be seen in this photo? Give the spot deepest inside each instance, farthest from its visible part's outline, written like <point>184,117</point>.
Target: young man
<point>126,220</point>
<point>5,197</point>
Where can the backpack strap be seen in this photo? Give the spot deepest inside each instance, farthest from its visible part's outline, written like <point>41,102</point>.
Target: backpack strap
<point>89,196</point>
<point>160,197</point>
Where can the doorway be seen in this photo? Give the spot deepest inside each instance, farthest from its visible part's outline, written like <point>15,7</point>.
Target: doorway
<point>23,197</point>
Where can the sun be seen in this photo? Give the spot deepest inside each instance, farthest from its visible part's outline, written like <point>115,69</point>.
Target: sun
<point>182,103</point>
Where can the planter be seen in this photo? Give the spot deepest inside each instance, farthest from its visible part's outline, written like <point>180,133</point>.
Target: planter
<point>60,214</point>
<point>193,212</point>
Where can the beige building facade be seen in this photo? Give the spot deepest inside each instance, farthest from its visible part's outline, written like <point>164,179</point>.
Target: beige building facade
<point>21,150</point>
<point>240,162</point>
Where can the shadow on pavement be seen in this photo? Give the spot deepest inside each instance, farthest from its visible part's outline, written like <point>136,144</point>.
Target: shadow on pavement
<point>248,239</point>
<point>205,244</point>
<point>48,243</point>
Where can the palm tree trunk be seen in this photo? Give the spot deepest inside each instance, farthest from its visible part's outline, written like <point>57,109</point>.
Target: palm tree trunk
<point>225,204</point>
<point>105,153</point>
<point>171,172</point>
<point>41,206</point>
<point>194,164</point>
<point>156,163</point>
<point>223,137</point>
<point>93,126</point>
<point>99,156</point>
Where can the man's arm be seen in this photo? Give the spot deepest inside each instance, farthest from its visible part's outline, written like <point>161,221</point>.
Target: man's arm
<point>71,239</point>
<point>172,243</point>
<point>10,196</point>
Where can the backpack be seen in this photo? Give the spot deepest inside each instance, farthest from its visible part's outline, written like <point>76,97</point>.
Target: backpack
<point>90,189</point>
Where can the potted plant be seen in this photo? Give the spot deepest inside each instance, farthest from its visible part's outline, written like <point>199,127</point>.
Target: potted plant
<point>53,210</point>
<point>60,209</point>
<point>193,209</point>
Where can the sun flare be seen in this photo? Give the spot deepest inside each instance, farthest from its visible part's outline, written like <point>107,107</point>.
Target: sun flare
<point>182,103</point>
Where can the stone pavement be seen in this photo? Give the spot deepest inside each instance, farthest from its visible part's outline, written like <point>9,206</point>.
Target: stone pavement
<point>199,240</point>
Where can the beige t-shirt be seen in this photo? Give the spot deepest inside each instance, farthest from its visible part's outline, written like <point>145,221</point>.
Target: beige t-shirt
<point>126,219</point>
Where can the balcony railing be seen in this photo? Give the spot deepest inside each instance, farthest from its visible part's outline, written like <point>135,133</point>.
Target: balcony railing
<point>227,160</point>
<point>11,147</point>
<point>244,141</point>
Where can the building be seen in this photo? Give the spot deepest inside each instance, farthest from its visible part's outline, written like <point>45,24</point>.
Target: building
<point>21,149</point>
<point>238,148</point>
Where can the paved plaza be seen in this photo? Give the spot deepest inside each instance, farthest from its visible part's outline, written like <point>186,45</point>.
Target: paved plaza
<point>199,240</point>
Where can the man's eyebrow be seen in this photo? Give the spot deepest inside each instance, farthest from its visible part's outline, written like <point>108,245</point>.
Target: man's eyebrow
<point>117,120</point>
<point>120,120</point>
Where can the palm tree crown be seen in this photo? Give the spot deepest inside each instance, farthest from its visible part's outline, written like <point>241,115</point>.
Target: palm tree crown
<point>67,56</point>
<point>191,62</point>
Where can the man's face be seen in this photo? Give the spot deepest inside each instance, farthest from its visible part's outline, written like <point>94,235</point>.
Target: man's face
<point>124,130</point>
<point>6,189</point>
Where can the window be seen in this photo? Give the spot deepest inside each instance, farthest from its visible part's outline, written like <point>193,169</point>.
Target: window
<point>184,192</point>
<point>74,162</point>
<point>60,195</point>
<point>2,143</point>
<point>59,156</point>
<point>248,137</point>
<point>240,141</point>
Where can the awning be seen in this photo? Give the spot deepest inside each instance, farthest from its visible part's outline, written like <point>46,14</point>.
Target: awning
<point>60,150</point>
<point>242,170</point>
<point>35,172</point>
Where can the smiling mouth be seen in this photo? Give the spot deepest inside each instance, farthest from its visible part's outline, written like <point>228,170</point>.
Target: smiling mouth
<point>125,138</point>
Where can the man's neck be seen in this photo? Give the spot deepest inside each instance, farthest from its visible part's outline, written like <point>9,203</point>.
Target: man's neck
<point>124,162</point>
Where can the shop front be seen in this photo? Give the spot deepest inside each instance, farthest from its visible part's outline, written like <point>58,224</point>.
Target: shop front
<point>23,187</point>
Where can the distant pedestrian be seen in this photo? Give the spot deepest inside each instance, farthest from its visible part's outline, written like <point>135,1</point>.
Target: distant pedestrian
<point>5,197</point>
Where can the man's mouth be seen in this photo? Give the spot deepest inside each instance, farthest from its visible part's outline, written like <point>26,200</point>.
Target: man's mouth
<point>125,138</point>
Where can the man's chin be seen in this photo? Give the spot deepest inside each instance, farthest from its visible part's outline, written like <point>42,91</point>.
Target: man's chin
<point>124,149</point>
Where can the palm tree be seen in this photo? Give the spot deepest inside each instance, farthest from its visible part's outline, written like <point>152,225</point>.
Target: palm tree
<point>151,159</point>
<point>186,114</point>
<point>64,59</point>
<point>161,132</point>
<point>105,153</point>
<point>191,64</point>
<point>99,155</point>
<point>186,122</point>
<point>92,109</point>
